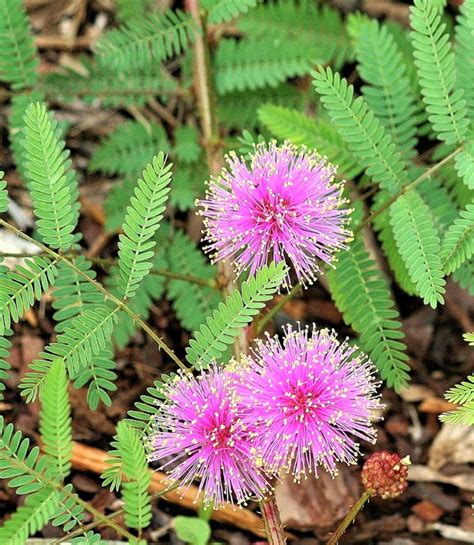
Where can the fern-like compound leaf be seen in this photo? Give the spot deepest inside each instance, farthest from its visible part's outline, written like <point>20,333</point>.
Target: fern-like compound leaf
<point>38,509</point>
<point>87,335</point>
<point>458,244</point>
<point>389,95</point>
<point>464,32</point>
<point>129,460</point>
<point>127,150</point>
<point>320,29</point>
<point>70,513</point>
<point>220,11</point>
<point>235,313</point>
<point>464,162</point>
<point>141,223</point>
<point>3,194</point>
<point>53,187</point>
<point>18,59</point>
<point>361,292</point>
<point>141,42</point>
<point>437,73</point>
<point>289,124</point>
<point>25,469</point>
<point>19,289</point>
<point>55,421</point>
<point>361,130</point>
<point>419,245</point>
<point>142,416</point>
<point>5,346</point>
<point>264,61</point>
<point>191,302</point>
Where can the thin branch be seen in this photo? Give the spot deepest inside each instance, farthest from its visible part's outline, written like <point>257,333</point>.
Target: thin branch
<point>101,288</point>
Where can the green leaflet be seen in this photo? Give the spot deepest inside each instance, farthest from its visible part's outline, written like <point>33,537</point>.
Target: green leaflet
<point>362,293</point>
<point>127,150</point>
<point>437,73</point>
<point>419,245</point>
<point>389,94</point>
<point>458,244</point>
<point>18,59</point>
<point>19,289</point>
<point>141,223</point>
<point>128,460</point>
<point>220,11</point>
<point>52,185</point>
<point>55,420</point>
<point>3,194</point>
<point>363,133</point>
<point>236,312</point>
<point>140,42</point>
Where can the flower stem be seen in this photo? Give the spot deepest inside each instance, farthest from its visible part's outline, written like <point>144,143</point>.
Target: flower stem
<point>272,521</point>
<point>348,519</point>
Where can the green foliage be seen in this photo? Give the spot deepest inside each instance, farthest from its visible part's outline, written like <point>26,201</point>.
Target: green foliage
<point>320,29</point>
<point>464,162</point>
<point>141,417</point>
<point>55,421</point>
<point>266,61</point>
<point>235,313</point>
<point>114,88</point>
<point>141,223</point>
<point>25,468</point>
<point>3,194</point>
<point>129,461</point>
<point>192,530</point>
<point>5,346</point>
<point>18,61</point>
<point>361,130</point>
<point>127,9</point>
<point>389,94</point>
<point>140,42</point>
<point>220,11</point>
<point>53,186</point>
<point>437,74</point>
<point>127,150</point>
<point>463,395</point>
<point>362,293</point>
<point>458,244</point>
<point>86,336</point>
<point>38,509</point>
<point>187,147</point>
<point>463,52</point>
<point>19,289</point>
<point>192,303</point>
<point>419,245</point>
<point>285,123</point>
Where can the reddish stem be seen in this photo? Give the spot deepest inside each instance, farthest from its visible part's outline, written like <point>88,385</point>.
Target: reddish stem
<point>272,520</point>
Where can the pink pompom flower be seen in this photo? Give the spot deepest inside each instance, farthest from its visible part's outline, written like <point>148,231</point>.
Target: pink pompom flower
<point>200,431</point>
<point>285,204</point>
<point>310,398</point>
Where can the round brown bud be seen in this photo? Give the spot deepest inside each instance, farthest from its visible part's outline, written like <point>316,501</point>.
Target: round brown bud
<point>385,474</point>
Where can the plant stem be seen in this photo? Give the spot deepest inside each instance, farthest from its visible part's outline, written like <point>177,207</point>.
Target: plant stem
<point>101,288</point>
<point>207,282</point>
<point>272,521</point>
<point>211,140</point>
<point>281,303</point>
<point>405,189</point>
<point>348,519</point>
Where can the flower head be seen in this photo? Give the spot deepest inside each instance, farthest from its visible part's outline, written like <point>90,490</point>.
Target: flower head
<point>284,204</point>
<point>310,397</point>
<point>385,474</point>
<point>201,431</point>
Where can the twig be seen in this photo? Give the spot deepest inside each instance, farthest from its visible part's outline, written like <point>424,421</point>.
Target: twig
<point>106,263</point>
<point>348,518</point>
<point>87,458</point>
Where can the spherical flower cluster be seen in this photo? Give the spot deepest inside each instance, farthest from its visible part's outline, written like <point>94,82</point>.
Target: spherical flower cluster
<point>385,474</point>
<point>285,204</point>
<point>201,429</point>
<point>312,396</point>
<point>292,406</point>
